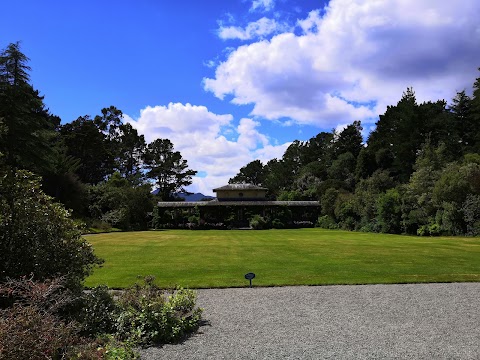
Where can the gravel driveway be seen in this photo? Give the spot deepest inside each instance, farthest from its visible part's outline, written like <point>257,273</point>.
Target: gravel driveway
<point>414,321</point>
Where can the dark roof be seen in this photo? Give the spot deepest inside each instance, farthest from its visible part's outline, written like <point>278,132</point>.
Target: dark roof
<point>184,204</point>
<point>240,187</point>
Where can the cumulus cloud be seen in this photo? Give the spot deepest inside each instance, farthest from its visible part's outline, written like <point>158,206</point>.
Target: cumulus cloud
<point>262,5</point>
<point>354,58</point>
<point>199,135</point>
<point>254,30</point>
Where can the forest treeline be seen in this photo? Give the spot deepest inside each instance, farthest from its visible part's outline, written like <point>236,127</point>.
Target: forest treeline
<point>417,173</point>
<point>99,167</point>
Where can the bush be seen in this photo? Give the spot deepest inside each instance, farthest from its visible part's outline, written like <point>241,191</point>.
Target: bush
<point>277,224</point>
<point>98,313</point>
<point>258,223</point>
<point>105,347</point>
<point>429,230</point>
<point>26,332</point>
<point>326,222</point>
<point>38,236</point>
<point>30,323</point>
<point>150,315</point>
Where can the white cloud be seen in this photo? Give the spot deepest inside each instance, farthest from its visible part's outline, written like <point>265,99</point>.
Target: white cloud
<point>199,135</point>
<point>257,29</point>
<point>353,59</point>
<point>262,5</point>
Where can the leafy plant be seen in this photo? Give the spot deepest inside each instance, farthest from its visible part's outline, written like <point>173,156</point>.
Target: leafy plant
<point>150,315</point>
<point>38,236</point>
<point>27,332</point>
<point>258,223</point>
<point>98,313</point>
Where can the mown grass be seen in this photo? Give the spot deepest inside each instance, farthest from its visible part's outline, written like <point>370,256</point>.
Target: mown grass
<point>204,259</point>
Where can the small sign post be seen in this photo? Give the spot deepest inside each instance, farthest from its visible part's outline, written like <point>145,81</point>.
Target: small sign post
<point>250,276</point>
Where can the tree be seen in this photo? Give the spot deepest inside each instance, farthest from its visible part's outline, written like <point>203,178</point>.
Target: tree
<point>121,204</point>
<point>293,157</point>
<point>252,173</point>
<point>343,169</point>
<point>122,142</point>
<point>86,142</point>
<point>38,237</point>
<point>168,168</point>
<point>319,148</point>
<point>398,136</point>
<point>366,193</point>
<point>26,123</point>
<point>389,211</point>
<point>62,182</point>
<point>473,123</point>
<point>350,140</point>
<point>277,177</point>
<point>130,152</point>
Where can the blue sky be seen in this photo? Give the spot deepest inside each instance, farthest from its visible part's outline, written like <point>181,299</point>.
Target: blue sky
<point>232,81</point>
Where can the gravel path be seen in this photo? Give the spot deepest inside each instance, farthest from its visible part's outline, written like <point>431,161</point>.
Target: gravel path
<point>414,321</point>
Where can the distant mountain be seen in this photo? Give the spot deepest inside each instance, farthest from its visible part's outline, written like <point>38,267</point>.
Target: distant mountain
<point>195,197</point>
<point>190,197</point>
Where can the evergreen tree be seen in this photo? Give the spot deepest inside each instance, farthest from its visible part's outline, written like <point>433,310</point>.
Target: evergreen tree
<point>27,125</point>
<point>168,168</point>
<point>86,142</point>
<point>252,173</point>
<point>350,140</point>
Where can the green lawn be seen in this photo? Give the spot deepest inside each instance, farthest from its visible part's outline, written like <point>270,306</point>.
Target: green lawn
<point>199,259</point>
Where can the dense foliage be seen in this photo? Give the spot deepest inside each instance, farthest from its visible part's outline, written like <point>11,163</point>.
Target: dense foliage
<point>417,173</point>
<point>98,167</point>
<point>38,236</point>
<point>35,325</point>
<point>149,315</point>
<point>94,167</point>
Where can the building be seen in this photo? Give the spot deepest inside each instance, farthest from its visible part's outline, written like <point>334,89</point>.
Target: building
<point>234,206</point>
<point>240,192</point>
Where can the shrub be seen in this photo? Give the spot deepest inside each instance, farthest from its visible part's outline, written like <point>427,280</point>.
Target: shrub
<point>26,332</point>
<point>38,236</point>
<point>429,230</point>
<point>326,222</point>
<point>277,224</point>
<point>98,313</point>
<point>258,223</point>
<point>30,323</point>
<point>105,347</point>
<point>150,315</point>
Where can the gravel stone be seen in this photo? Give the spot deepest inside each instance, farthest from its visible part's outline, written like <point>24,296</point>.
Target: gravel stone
<point>411,321</point>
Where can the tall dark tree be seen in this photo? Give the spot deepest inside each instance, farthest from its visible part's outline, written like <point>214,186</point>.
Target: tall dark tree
<point>131,149</point>
<point>252,173</point>
<point>319,148</point>
<point>277,177</point>
<point>109,121</point>
<point>474,119</point>
<point>26,123</point>
<point>292,161</point>
<point>461,110</point>
<point>168,168</point>
<point>350,140</point>
<point>86,142</point>
<point>398,136</point>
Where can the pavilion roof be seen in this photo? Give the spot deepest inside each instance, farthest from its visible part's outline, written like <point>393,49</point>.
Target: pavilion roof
<point>186,204</point>
<point>240,187</point>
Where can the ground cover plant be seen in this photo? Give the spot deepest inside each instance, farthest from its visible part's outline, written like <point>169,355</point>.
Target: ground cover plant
<point>212,258</point>
<point>38,325</point>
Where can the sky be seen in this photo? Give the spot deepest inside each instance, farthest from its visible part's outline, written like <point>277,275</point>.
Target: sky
<point>232,81</point>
